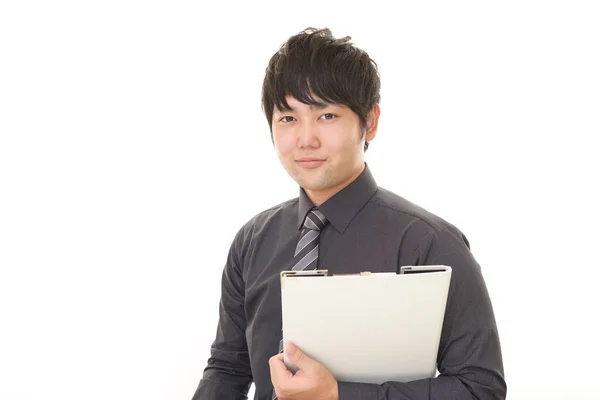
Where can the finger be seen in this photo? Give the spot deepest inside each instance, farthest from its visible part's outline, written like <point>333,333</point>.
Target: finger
<point>279,371</point>
<point>298,357</point>
<point>278,356</point>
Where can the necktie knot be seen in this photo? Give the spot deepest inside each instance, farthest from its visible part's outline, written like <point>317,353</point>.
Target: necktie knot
<point>315,220</point>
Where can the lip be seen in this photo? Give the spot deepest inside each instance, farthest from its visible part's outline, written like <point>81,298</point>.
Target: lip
<point>310,162</point>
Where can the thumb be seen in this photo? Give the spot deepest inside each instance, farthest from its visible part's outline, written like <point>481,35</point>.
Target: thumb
<point>298,357</point>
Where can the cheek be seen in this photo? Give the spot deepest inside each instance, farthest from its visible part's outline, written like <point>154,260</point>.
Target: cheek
<point>283,144</point>
<point>340,144</point>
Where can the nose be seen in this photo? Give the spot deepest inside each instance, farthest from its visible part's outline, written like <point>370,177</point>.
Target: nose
<point>308,135</point>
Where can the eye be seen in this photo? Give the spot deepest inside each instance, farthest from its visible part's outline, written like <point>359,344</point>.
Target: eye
<point>329,116</point>
<point>286,119</point>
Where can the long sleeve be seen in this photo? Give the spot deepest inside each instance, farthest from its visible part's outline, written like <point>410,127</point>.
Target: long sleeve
<point>469,357</point>
<point>228,374</point>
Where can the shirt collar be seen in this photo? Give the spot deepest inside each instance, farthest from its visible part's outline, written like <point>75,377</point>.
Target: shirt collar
<point>343,206</point>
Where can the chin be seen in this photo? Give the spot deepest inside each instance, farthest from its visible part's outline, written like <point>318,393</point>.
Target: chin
<point>307,184</point>
<point>310,181</point>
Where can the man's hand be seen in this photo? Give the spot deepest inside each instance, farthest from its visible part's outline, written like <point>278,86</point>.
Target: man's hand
<point>312,381</point>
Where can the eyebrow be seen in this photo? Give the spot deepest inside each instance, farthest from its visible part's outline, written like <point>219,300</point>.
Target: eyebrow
<point>317,106</point>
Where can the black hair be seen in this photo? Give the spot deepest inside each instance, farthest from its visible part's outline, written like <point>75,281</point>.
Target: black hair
<point>314,63</point>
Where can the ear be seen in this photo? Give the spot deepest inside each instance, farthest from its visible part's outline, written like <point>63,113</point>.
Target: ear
<point>372,121</point>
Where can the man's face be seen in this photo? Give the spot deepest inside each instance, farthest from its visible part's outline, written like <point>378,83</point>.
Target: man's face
<point>322,149</point>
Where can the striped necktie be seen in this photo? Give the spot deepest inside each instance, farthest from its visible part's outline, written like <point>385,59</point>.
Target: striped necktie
<point>306,255</point>
<point>307,249</point>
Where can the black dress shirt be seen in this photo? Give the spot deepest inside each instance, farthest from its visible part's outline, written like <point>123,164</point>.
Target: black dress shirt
<point>369,229</point>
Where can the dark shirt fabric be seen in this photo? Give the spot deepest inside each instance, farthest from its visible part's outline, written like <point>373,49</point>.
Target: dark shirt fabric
<point>369,229</point>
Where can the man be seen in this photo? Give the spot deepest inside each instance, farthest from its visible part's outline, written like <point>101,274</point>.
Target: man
<point>320,96</point>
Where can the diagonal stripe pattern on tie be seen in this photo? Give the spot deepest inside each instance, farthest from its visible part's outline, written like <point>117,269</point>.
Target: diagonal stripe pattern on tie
<point>306,256</point>
<point>307,249</point>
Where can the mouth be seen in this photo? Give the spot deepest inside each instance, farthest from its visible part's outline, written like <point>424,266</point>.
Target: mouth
<point>310,162</point>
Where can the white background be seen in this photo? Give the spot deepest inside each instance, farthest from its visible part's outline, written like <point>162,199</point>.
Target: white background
<point>133,147</point>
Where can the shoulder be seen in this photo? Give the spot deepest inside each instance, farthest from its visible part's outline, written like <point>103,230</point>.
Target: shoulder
<point>421,222</point>
<point>265,220</point>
